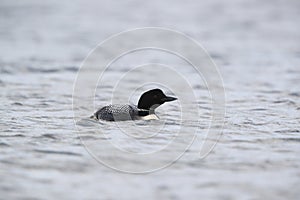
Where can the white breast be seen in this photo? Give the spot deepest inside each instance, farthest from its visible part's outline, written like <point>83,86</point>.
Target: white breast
<point>149,117</point>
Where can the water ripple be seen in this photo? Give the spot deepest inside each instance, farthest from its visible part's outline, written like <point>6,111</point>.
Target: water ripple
<point>57,152</point>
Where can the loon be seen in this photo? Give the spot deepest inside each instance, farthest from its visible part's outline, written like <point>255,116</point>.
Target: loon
<point>148,102</point>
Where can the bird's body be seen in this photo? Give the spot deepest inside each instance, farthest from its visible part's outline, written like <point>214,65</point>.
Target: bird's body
<point>122,112</point>
<point>144,111</point>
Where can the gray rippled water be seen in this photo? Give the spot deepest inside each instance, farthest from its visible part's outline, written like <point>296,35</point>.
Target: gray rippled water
<point>42,155</point>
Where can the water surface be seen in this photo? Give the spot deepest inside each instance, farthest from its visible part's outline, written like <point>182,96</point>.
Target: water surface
<point>256,46</point>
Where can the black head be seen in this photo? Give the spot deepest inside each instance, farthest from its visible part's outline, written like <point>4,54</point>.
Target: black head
<point>152,99</point>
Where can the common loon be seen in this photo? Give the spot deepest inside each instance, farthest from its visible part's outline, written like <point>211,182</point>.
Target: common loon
<point>148,102</point>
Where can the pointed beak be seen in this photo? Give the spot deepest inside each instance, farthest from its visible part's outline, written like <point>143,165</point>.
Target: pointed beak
<point>166,99</point>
